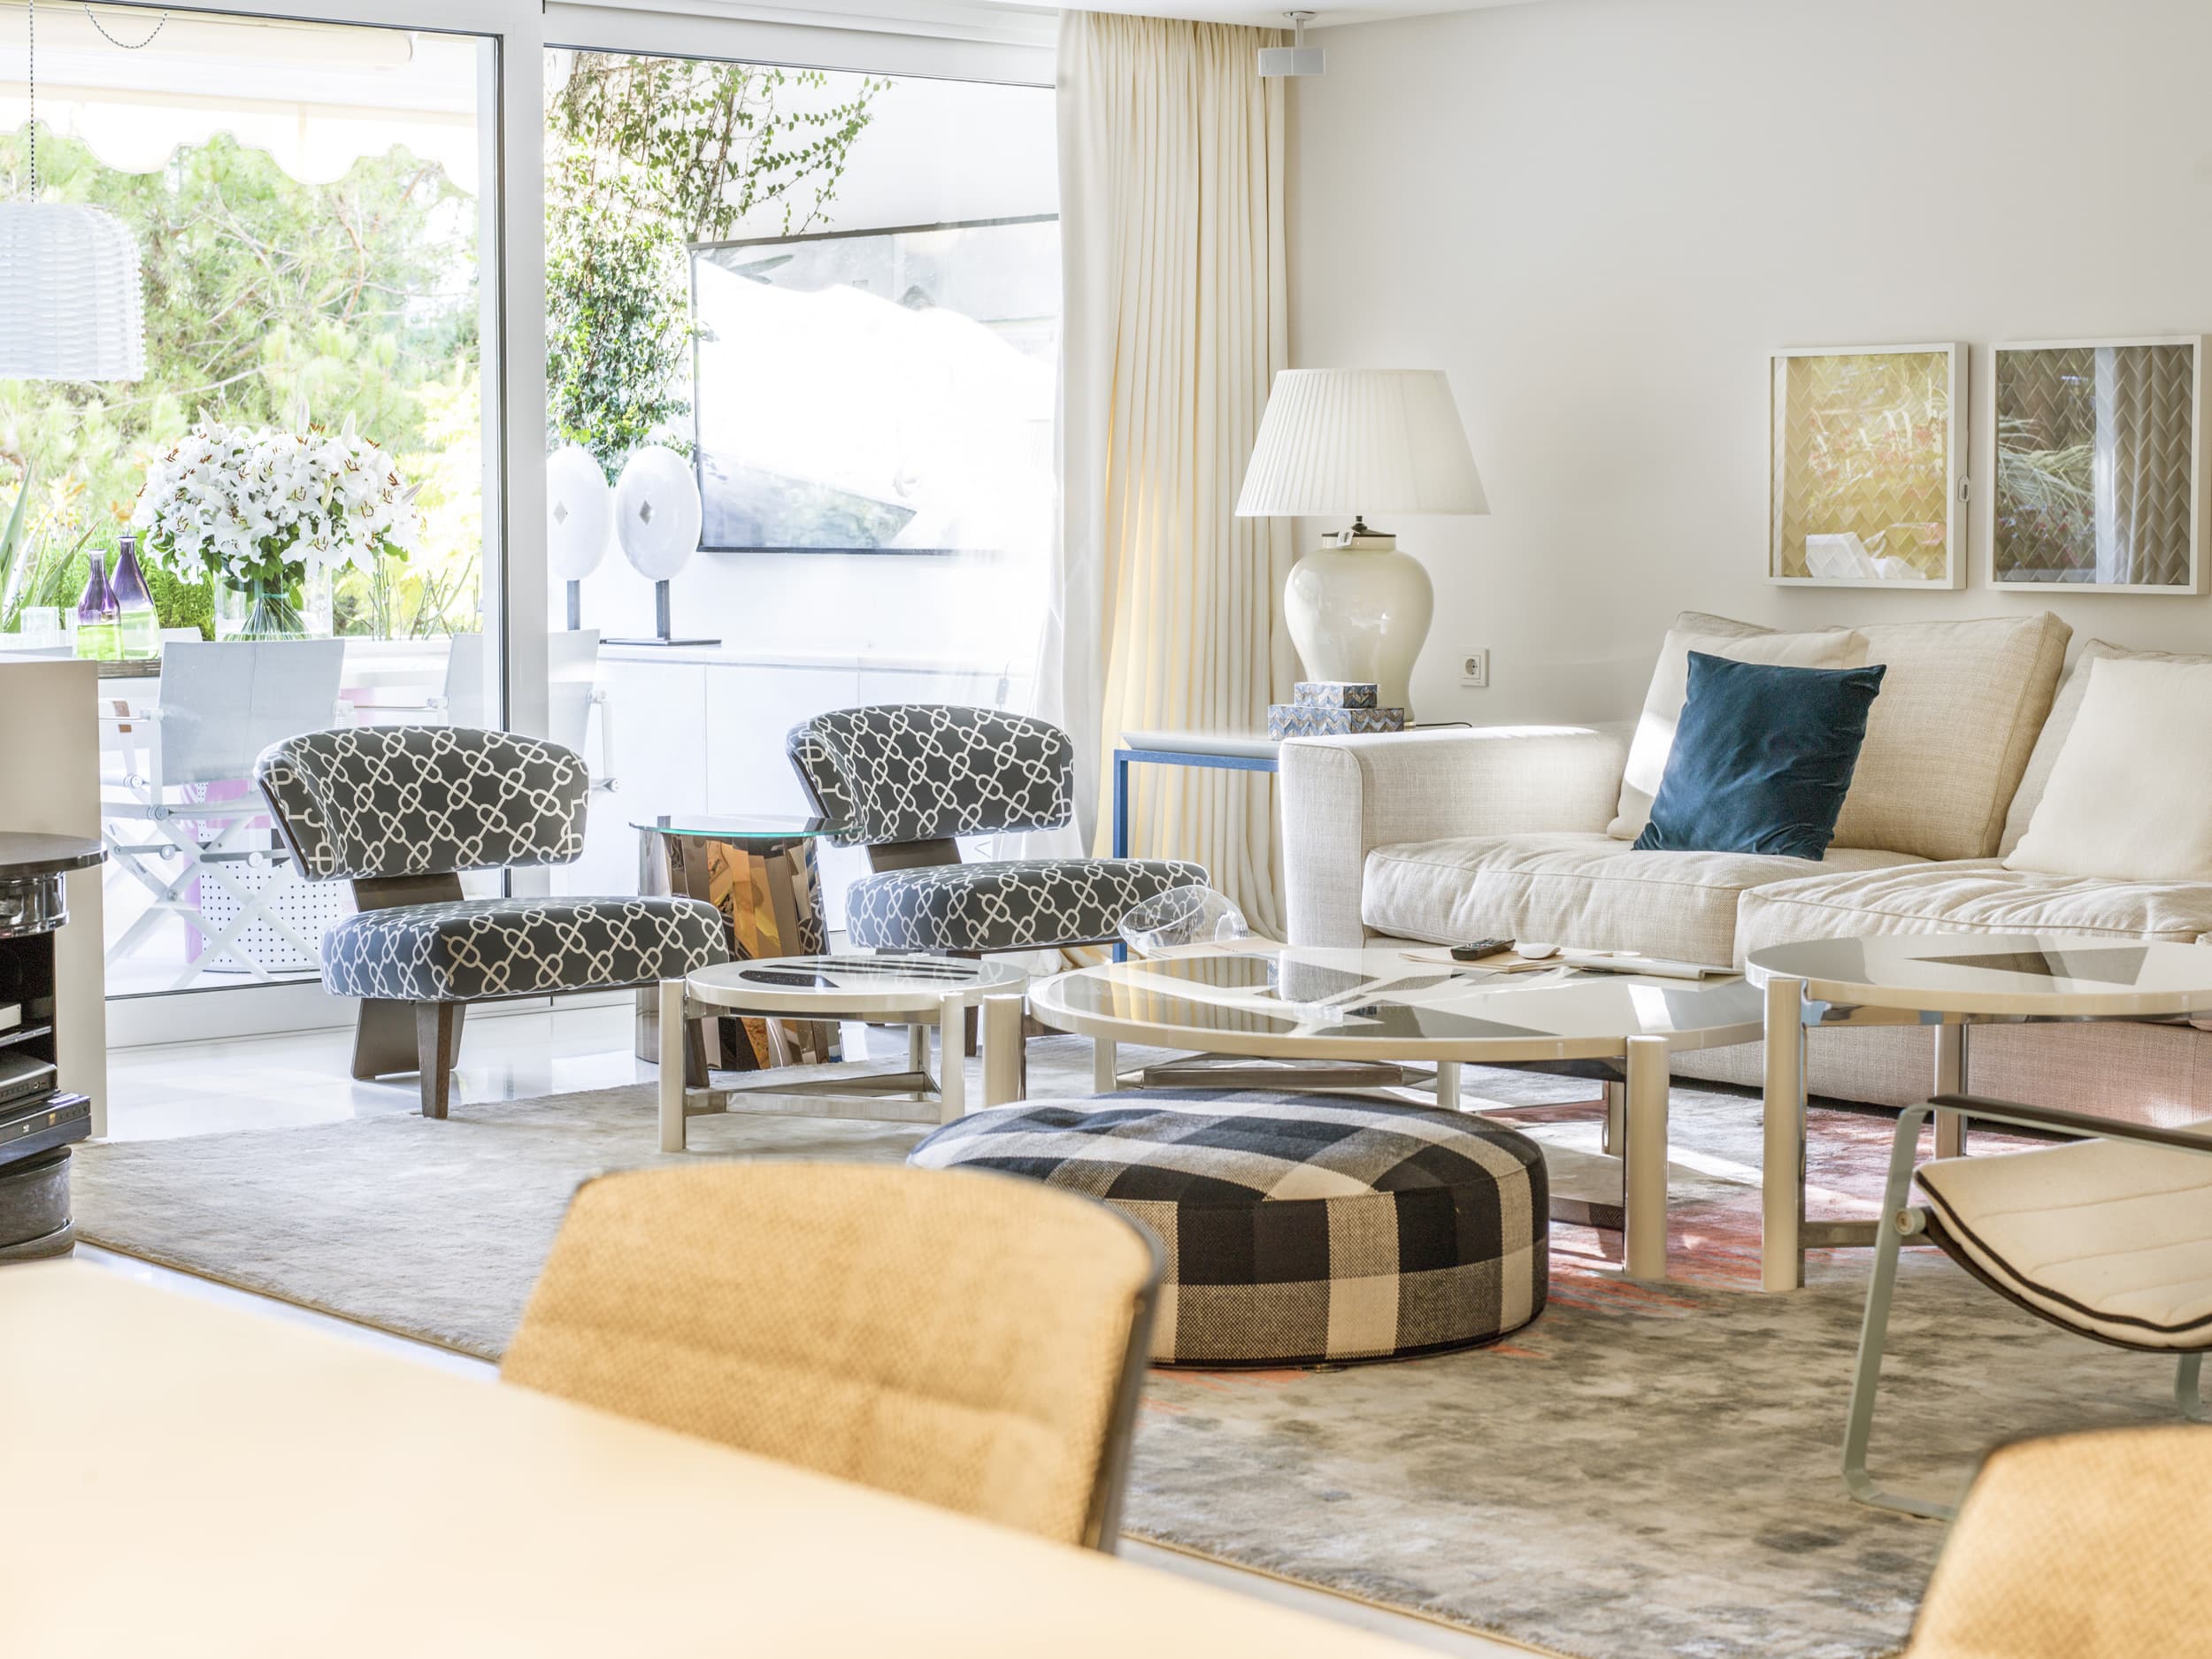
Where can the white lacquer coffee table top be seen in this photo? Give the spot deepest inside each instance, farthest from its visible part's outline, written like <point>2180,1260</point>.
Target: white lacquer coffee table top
<point>2044,975</point>
<point>1372,1004</point>
<point>852,982</point>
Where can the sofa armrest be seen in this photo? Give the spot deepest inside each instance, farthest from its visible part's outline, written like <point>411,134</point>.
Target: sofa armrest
<point>1344,797</point>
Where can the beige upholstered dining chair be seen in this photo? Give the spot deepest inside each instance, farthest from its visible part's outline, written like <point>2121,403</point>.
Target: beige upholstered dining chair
<point>975,1341</point>
<point>2080,1546</point>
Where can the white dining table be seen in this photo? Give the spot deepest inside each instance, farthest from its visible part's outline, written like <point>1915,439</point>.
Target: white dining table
<point>184,1478</point>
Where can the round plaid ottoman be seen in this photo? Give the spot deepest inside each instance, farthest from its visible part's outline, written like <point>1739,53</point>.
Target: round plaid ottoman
<point>1300,1229</point>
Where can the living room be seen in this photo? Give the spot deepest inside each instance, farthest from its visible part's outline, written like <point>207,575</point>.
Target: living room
<point>1623,1047</point>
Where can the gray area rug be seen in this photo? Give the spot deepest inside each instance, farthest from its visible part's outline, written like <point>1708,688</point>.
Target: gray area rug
<point>1646,1470</point>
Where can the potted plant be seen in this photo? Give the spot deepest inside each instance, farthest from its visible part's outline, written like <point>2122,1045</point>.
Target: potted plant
<point>268,516</point>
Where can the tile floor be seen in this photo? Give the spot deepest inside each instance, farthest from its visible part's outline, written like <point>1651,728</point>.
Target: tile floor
<point>272,1082</point>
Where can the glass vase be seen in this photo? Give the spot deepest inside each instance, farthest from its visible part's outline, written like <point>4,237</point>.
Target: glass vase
<point>261,610</point>
<point>258,610</point>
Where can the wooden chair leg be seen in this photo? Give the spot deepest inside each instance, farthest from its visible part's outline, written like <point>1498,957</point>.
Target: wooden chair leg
<point>437,1045</point>
<point>383,1037</point>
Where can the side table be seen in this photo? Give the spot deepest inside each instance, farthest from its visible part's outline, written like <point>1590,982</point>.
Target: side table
<point>911,990</point>
<point>1953,982</point>
<point>763,874</point>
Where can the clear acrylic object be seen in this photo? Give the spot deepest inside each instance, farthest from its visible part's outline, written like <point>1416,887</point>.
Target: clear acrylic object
<point>1180,917</point>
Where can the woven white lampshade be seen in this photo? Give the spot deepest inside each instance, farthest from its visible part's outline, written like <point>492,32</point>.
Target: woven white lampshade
<point>70,306</point>
<point>1342,441</point>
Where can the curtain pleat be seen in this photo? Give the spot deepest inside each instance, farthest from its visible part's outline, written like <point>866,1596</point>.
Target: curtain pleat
<point>1168,608</point>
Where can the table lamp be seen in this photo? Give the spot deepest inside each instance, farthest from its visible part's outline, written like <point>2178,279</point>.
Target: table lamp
<point>1348,442</point>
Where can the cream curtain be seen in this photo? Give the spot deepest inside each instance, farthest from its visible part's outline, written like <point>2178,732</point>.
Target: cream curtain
<point>1167,608</point>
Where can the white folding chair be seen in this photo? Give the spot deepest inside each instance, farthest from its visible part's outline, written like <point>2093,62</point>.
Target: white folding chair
<point>221,704</point>
<point>573,691</point>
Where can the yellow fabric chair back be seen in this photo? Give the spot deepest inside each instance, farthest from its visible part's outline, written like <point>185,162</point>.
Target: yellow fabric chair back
<point>2088,1546</point>
<point>971,1341</point>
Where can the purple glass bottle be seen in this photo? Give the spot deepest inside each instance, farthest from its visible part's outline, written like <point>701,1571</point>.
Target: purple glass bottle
<point>98,632</point>
<point>138,629</point>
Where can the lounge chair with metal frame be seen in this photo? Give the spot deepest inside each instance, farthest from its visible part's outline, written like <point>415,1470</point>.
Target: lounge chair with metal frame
<point>2109,1237</point>
<point>973,1340</point>
<point>402,811</point>
<point>221,704</point>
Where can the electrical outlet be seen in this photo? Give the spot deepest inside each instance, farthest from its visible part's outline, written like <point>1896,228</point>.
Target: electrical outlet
<point>1474,667</point>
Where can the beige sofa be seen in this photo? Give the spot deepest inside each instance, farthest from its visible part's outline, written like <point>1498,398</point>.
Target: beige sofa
<point>1451,835</point>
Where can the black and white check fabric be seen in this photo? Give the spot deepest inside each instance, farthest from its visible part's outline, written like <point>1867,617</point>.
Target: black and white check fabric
<point>367,800</point>
<point>1300,1229</point>
<point>475,948</point>
<point>1012,905</point>
<point>920,772</point>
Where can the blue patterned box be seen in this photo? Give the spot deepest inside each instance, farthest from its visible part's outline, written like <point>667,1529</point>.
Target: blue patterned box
<point>1294,719</point>
<point>1336,694</point>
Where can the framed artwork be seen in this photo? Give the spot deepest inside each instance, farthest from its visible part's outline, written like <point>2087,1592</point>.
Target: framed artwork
<point>2098,479</point>
<point>1867,466</point>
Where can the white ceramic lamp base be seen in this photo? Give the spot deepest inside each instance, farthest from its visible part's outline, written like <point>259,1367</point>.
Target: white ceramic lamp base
<point>1358,609</point>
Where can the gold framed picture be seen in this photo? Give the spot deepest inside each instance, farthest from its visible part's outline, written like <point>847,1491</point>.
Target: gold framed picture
<point>1867,466</point>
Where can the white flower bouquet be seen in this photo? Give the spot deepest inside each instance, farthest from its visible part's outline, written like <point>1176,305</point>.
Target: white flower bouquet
<point>258,508</point>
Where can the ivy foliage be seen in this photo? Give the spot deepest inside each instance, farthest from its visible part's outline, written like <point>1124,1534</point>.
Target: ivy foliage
<point>644,155</point>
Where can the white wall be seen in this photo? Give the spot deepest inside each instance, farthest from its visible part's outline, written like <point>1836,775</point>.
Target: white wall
<point>1600,215</point>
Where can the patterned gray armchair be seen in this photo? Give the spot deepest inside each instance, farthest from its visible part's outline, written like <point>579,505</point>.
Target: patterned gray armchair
<point>401,811</point>
<point>905,779</point>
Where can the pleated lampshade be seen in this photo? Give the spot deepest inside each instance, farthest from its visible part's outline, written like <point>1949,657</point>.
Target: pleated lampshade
<point>70,305</point>
<point>1360,440</point>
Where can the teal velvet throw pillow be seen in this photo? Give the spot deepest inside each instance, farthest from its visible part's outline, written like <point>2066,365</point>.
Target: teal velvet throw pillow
<point>1762,757</point>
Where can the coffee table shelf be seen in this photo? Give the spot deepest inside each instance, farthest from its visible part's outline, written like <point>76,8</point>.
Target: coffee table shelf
<point>1376,1005</point>
<point>914,991</point>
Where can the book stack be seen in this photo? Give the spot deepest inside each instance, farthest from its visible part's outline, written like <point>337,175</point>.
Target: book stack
<point>1333,707</point>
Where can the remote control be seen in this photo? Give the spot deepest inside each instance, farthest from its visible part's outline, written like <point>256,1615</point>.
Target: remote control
<point>1480,948</point>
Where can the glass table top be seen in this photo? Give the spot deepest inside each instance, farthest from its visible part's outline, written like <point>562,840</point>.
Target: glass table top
<point>851,979</point>
<point>2024,973</point>
<point>759,826</point>
<point>1379,996</point>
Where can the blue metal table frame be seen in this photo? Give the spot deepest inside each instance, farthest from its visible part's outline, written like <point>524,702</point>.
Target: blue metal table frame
<point>1125,758</point>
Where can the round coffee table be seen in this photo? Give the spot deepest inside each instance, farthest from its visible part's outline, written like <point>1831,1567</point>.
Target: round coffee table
<point>1379,1005</point>
<point>915,991</point>
<point>1951,981</point>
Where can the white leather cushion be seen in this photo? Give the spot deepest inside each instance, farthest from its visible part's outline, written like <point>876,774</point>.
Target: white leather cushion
<point>2131,797</point>
<point>2051,739</point>
<point>2107,1238</point>
<point>1951,733</point>
<point>1669,690</point>
<point>1978,896</point>
<point>1585,891</point>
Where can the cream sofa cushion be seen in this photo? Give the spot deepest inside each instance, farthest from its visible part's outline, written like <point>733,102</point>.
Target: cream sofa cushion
<point>1582,890</point>
<point>1977,896</point>
<point>1669,690</point>
<point>2104,1237</point>
<point>1948,738</point>
<point>2131,797</point>
<point>2051,742</point>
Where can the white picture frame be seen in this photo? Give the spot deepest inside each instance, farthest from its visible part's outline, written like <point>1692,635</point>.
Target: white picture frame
<point>2008,557</point>
<point>1825,526</point>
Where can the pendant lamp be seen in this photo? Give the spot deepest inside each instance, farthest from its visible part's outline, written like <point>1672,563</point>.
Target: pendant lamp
<point>71,305</point>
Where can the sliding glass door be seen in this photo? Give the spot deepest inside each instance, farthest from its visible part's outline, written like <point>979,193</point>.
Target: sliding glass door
<point>824,305</point>
<point>313,207</point>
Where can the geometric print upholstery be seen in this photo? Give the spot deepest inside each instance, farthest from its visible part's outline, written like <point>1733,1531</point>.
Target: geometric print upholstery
<point>913,772</point>
<point>467,949</point>
<point>1012,905</point>
<point>370,801</point>
<point>1300,1229</point>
